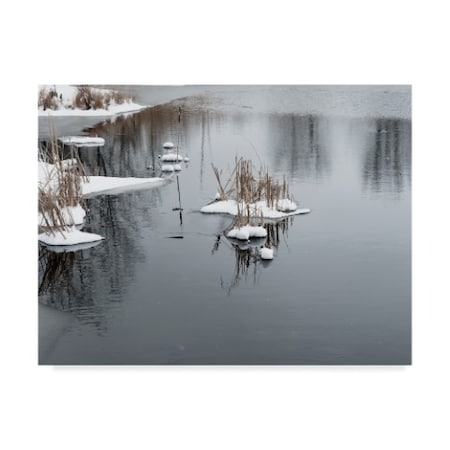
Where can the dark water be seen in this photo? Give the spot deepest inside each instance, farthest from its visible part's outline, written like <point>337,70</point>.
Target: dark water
<point>339,288</point>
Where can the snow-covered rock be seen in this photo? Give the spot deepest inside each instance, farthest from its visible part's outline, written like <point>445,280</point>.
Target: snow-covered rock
<point>246,232</point>
<point>266,253</point>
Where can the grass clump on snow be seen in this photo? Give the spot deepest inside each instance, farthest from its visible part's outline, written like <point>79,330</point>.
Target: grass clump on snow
<point>59,189</point>
<point>83,98</point>
<point>251,195</point>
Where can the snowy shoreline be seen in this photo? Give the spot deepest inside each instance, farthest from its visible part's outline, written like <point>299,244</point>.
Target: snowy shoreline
<point>64,99</point>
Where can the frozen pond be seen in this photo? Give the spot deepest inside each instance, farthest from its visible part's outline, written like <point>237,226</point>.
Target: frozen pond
<point>166,287</point>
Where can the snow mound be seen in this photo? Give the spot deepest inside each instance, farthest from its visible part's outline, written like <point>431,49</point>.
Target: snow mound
<point>186,159</point>
<point>168,145</point>
<point>257,209</point>
<point>82,141</point>
<point>246,232</point>
<point>69,237</point>
<point>171,157</point>
<point>167,168</point>
<point>176,167</point>
<point>266,253</point>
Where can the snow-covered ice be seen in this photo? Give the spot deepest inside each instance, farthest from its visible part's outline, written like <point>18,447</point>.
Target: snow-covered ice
<point>99,184</point>
<point>246,232</point>
<point>69,237</point>
<point>82,141</point>
<point>266,253</point>
<point>257,209</point>
<point>72,248</point>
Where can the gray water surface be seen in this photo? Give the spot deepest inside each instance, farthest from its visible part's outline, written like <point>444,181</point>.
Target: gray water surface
<point>339,288</point>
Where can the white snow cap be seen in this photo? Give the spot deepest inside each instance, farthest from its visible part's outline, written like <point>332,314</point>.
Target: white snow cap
<point>171,157</point>
<point>82,141</point>
<point>168,145</point>
<point>246,232</point>
<point>257,209</point>
<point>266,253</point>
<point>167,168</point>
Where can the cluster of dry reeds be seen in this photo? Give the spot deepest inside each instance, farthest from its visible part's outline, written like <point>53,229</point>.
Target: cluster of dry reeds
<point>61,189</point>
<point>86,98</point>
<point>248,186</point>
<point>48,99</point>
<point>89,98</point>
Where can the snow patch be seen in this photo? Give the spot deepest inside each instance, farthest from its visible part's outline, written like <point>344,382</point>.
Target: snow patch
<point>82,141</point>
<point>167,168</point>
<point>246,232</point>
<point>266,253</point>
<point>98,184</point>
<point>69,237</point>
<point>257,209</point>
<point>71,215</point>
<point>168,145</point>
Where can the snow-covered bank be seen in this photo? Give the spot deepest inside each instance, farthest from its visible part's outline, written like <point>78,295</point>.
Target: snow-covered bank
<point>285,208</point>
<point>65,99</point>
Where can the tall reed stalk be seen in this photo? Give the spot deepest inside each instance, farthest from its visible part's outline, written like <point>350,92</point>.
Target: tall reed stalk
<point>62,188</point>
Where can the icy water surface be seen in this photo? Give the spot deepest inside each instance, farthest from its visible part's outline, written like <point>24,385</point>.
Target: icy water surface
<point>168,288</point>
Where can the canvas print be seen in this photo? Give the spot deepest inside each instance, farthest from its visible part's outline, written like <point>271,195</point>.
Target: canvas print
<point>224,225</point>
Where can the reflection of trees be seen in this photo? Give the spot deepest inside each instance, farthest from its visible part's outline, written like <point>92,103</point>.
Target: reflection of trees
<point>296,146</point>
<point>387,164</point>
<point>90,279</point>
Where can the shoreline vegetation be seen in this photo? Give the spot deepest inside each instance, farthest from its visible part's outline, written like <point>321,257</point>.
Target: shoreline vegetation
<point>58,100</point>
